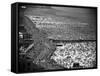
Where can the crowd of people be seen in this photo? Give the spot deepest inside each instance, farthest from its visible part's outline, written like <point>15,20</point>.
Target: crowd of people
<point>70,53</point>
<point>83,53</point>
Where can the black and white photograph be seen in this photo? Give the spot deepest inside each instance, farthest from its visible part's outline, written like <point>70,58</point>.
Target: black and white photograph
<point>55,37</point>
